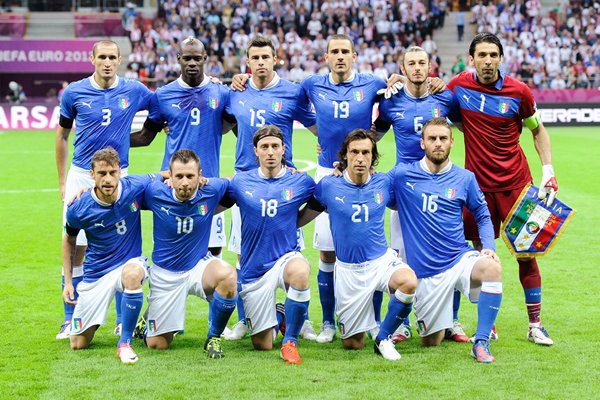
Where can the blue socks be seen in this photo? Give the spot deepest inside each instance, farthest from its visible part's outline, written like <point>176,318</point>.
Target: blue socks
<point>221,309</point>
<point>456,305</point>
<point>296,307</point>
<point>377,301</point>
<point>487,309</point>
<point>399,306</point>
<point>326,293</point>
<point>69,308</point>
<point>131,306</point>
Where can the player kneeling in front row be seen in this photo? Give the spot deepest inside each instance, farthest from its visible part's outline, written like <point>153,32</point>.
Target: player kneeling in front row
<point>356,204</point>
<point>269,198</point>
<point>432,193</point>
<point>182,262</point>
<point>110,216</point>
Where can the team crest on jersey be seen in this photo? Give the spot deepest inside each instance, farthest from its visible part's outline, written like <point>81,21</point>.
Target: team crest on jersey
<point>133,207</point>
<point>152,325</point>
<point>435,112</point>
<point>342,328</point>
<point>203,209</point>
<point>277,105</point>
<point>287,194</point>
<point>77,324</point>
<point>250,325</point>
<point>421,327</point>
<point>123,102</point>
<point>358,95</point>
<point>378,198</point>
<point>503,107</point>
<point>450,193</point>
<point>213,103</point>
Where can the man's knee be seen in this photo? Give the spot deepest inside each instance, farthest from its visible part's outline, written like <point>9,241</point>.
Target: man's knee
<point>132,276</point>
<point>405,280</point>
<point>157,343</point>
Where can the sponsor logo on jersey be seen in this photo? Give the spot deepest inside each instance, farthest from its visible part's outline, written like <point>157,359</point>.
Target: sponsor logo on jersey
<point>133,207</point>
<point>77,324</point>
<point>450,193</point>
<point>358,95</point>
<point>435,112</point>
<point>287,194</point>
<point>123,102</point>
<point>213,103</point>
<point>152,325</point>
<point>503,107</point>
<point>378,198</point>
<point>277,105</point>
<point>203,209</point>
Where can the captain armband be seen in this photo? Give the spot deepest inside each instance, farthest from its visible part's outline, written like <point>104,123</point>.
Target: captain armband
<point>533,122</point>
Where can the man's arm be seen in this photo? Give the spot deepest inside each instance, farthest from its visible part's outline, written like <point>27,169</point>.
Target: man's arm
<point>62,156</point>
<point>68,250</point>
<point>541,141</point>
<point>309,212</point>
<point>146,135</point>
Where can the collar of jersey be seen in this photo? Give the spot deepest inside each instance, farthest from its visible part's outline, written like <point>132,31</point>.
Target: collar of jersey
<point>279,175</point>
<point>350,79</point>
<point>426,169</point>
<point>410,95</point>
<point>271,84</point>
<point>103,204</point>
<point>185,85</point>
<point>96,86</point>
<point>347,179</point>
<point>499,83</point>
<point>182,201</point>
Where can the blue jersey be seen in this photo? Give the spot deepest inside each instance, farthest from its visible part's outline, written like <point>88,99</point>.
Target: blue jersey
<point>182,228</point>
<point>113,230</point>
<point>278,104</point>
<point>430,208</point>
<point>340,108</point>
<point>408,114</point>
<point>103,117</point>
<point>356,215</point>
<point>269,211</point>
<point>195,119</point>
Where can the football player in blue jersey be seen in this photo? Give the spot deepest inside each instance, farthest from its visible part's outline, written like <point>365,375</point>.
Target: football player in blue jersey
<point>356,203</point>
<point>110,216</point>
<point>267,100</point>
<point>103,107</point>
<point>269,198</point>
<point>182,263</point>
<point>194,109</point>
<point>406,112</point>
<point>431,194</point>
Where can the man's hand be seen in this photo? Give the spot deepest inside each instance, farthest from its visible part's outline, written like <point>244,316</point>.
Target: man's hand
<point>78,195</point>
<point>490,253</point>
<point>548,186</point>
<point>68,294</point>
<point>435,85</point>
<point>238,82</point>
<point>395,83</point>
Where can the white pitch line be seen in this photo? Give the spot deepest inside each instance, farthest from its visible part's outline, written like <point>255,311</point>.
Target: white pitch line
<point>22,191</point>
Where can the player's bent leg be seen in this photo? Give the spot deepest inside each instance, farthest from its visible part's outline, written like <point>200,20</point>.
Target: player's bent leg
<point>132,278</point>
<point>354,342</point>
<point>263,340</point>
<point>326,296</point>
<point>531,280</point>
<point>161,342</point>
<point>82,341</point>
<point>296,276</point>
<point>435,339</point>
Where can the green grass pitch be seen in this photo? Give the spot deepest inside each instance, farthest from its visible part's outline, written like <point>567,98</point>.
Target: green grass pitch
<point>35,365</point>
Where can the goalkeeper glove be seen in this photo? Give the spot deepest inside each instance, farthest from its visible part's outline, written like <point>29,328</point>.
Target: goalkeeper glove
<point>548,186</point>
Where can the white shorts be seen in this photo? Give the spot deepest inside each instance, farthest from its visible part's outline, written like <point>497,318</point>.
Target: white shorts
<point>435,295</point>
<point>168,294</point>
<point>259,296</point>
<point>235,233</point>
<point>218,237</point>
<point>396,238</point>
<point>77,179</point>
<point>322,239</point>
<point>354,285</point>
<point>95,297</point>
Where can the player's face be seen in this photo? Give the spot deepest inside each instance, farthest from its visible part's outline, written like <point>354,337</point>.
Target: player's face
<point>261,61</point>
<point>185,178</point>
<point>106,60</point>
<point>106,177</point>
<point>269,151</point>
<point>192,59</point>
<point>437,142</point>
<point>416,66</point>
<point>359,157</point>
<point>486,61</point>
<point>340,57</point>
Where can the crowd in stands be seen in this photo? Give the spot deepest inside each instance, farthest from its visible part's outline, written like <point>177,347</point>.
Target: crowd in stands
<point>556,50</point>
<point>380,29</point>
